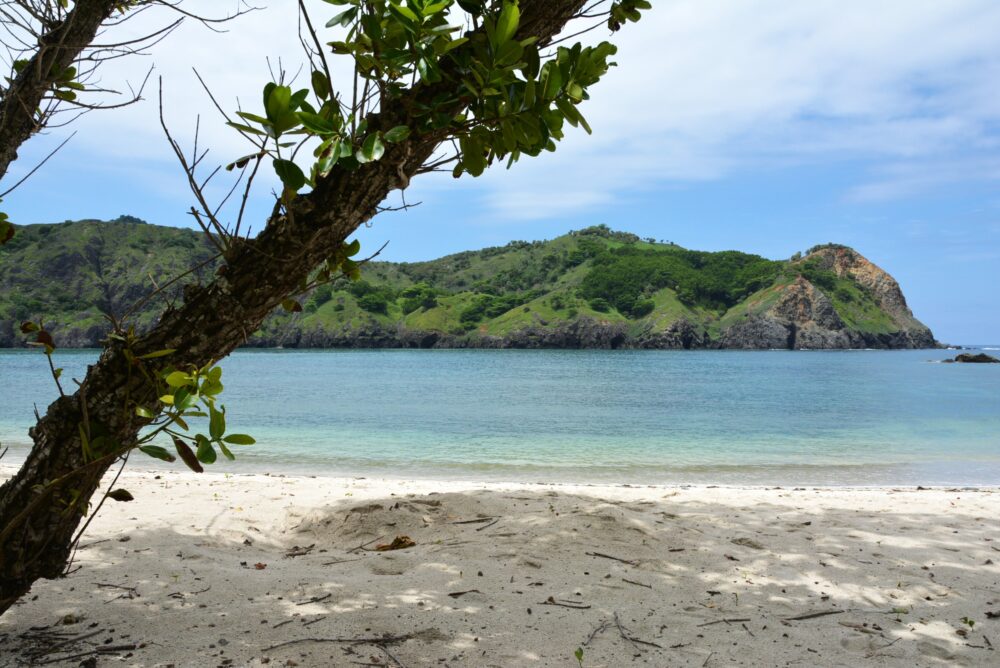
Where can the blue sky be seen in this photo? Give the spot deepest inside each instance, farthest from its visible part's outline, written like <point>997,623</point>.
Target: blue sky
<point>748,125</point>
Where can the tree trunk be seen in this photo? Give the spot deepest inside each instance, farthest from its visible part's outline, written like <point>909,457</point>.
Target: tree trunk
<point>58,48</point>
<point>36,535</point>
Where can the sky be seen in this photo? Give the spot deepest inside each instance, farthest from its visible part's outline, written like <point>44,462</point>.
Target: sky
<point>763,126</point>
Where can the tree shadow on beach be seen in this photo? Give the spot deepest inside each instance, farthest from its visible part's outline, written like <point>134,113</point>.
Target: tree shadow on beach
<point>511,578</point>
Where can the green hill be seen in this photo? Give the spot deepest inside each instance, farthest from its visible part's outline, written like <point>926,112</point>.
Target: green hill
<point>590,288</point>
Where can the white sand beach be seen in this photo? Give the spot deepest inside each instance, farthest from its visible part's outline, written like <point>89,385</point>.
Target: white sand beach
<point>252,570</point>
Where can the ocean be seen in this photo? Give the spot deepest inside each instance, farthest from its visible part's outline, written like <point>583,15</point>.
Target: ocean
<point>854,418</point>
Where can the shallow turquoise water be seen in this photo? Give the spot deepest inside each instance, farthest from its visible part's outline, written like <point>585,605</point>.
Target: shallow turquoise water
<point>836,418</point>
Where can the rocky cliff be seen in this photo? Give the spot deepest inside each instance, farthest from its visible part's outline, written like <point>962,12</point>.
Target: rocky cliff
<point>800,315</point>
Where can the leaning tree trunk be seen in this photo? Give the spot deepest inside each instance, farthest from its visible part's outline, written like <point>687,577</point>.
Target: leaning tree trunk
<point>36,534</point>
<point>58,48</point>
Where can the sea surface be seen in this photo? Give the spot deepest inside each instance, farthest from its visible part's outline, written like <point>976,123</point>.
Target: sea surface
<point>854,418</point>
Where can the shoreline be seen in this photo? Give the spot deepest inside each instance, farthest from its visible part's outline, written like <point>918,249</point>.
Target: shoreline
<point>7,469</point>
<point>175,573</point>
<point>270,470</point>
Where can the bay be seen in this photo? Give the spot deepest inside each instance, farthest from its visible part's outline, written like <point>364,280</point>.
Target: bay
<point>638,417</point>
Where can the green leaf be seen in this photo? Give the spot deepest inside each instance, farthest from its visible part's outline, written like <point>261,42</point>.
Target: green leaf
<point>216,423</point>
<point>144,412</point>
<point>157,452</point>
<point>277,101</point>
<point>449,46</point>
<point>532,63</point>
<point>344,18</point>
<point>509,53</point>
<point>253,118</point>
<point>239,439</point>
<point>245,128</point>
<point>316,123</point>
<point>405,14</point>
<point>435,7</point>
<point>552,81</point>
<point>321,85</point>
<point>291,175</point>
<point>206,453</point>
<point>397,134</point>
<point>472,155</point>
<point>184,399</point>
<point>158,353</point>
<point>225,451</point>
<point>507,24</point>
<point>178,379</point>
<point>372,149</point>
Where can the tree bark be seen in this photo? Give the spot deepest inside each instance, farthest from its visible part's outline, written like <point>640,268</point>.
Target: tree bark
<point>58,47</point>
<point>212,321</point>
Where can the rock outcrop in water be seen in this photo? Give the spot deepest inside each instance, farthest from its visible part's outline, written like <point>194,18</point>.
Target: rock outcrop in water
<point>595,288</point>
<point>980,358</point>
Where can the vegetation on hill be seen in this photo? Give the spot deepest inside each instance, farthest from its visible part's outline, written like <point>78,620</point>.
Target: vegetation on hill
<point>72,274</point>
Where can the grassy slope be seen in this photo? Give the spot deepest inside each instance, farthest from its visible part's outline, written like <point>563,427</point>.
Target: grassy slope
<point>70,272</point>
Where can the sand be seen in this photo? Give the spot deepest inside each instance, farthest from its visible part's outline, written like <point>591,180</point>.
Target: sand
<point>226,570</point>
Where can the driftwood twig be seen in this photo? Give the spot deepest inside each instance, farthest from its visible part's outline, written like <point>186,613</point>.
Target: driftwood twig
<point>729,620</point>
<point>373,640</point>
<point>813,615</point>
<point>630,562</point>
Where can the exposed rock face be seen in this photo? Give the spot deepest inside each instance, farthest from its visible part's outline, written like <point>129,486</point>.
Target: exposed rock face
<point>758,332</point>
<point>803,317</point>
<point>681,334</point>
<point>883,287</point>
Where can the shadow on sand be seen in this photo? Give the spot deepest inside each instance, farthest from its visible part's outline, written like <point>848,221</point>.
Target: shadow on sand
<point>515,578</point>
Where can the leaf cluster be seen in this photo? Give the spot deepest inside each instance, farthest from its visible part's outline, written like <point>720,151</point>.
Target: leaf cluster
<point>495,95</point>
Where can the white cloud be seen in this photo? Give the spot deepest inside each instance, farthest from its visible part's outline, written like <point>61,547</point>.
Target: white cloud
<point>705,88</point>
<point>708,88</point>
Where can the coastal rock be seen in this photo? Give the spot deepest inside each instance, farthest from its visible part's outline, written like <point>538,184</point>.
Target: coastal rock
<point>802,316</point>
<point>847,262</point>
<point>7,337</point>
<point>980,358</point>
<point>580,333</point>
<point>758,333</point>
<point>681,334</point>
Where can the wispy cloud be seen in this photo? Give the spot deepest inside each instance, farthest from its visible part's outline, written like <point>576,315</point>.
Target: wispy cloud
<point>705,89</point>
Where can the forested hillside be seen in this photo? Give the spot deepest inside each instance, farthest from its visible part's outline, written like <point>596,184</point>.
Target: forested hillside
<point>590,288</point>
